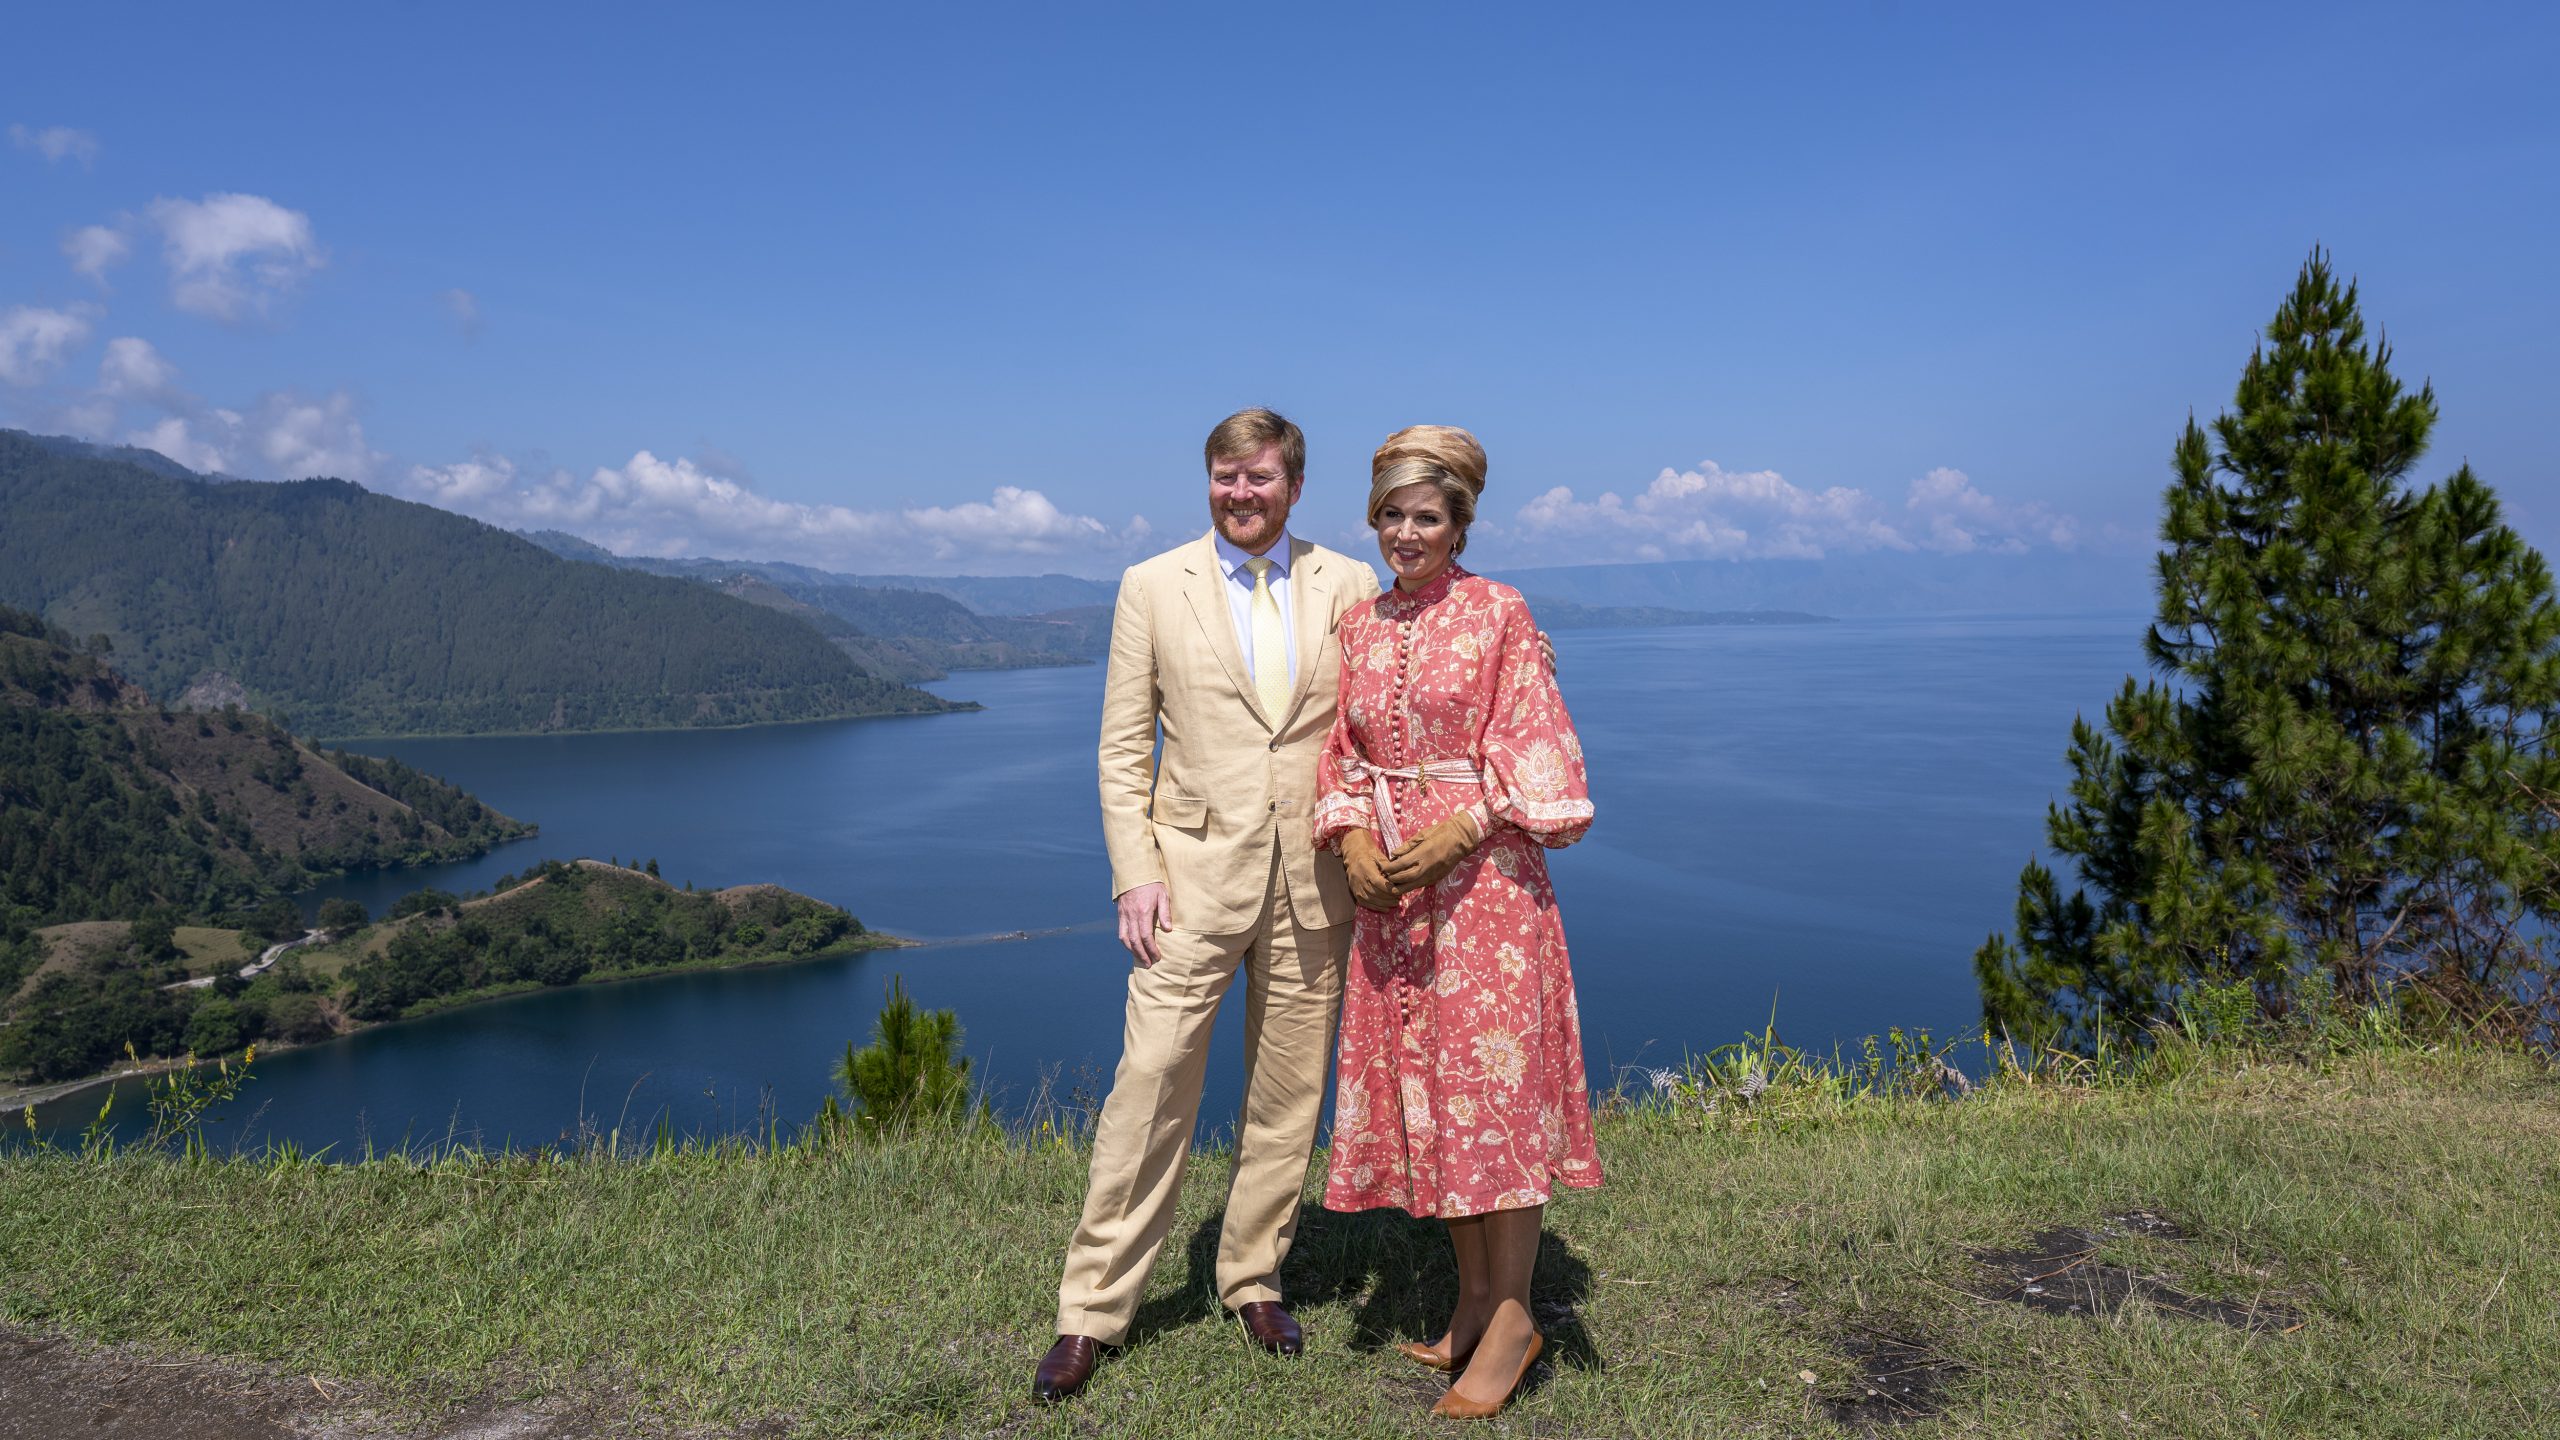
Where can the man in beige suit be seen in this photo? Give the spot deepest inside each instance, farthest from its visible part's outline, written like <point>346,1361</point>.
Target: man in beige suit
<point>1226,647</point>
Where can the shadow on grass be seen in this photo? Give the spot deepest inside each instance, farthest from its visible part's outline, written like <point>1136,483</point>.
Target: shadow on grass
<point>1395,1272</point>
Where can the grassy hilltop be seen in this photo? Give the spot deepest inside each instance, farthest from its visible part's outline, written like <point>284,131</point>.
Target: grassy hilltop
<point>2352,1239</point>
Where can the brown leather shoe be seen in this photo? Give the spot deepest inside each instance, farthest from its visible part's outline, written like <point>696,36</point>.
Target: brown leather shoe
<point>1065,1368</point>
<point>1272,1327</point>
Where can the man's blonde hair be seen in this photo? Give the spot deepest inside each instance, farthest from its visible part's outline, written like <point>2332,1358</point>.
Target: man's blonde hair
<point>1243,434</point>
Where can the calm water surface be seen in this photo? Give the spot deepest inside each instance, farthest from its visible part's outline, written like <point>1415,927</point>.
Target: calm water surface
<point>1823,819</point>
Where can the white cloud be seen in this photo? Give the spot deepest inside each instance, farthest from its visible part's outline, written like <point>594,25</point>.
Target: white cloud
<point>464,307</point>
<point>133,370</point>
<point>34,342</point>
<point>1012,521</point>
<point>680,506</point>
<point>463,485</point>
<point>298,436</point>
<point>175,438</point>
<point>233,255</point>
<point>57,143</point>
<point>286,435</point>
<point>283,435</point>
<point>1953,516</point>
<point>95,249</point>
<point>1718,514</point>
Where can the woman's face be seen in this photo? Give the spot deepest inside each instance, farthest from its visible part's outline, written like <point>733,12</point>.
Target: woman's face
<point>1415,533</point>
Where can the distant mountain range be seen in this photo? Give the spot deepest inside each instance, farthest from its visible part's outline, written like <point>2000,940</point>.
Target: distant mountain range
<point>359,614</point>
<point>1044,618</point>
<point>1878,583</point>
<point>1566,597</point>
<point>907,627</point>
<point>979,594</point>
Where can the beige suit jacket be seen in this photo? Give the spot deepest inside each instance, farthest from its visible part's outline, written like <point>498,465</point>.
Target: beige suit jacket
<point>1203,820</point>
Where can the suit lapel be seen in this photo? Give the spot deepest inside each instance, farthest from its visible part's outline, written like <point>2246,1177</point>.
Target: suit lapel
<point>1207,592</point>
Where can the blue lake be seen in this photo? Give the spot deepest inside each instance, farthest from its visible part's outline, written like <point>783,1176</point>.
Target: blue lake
<point>1820,820</point>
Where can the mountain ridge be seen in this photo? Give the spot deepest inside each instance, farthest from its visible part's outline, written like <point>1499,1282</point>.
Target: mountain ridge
<point>352,613</point>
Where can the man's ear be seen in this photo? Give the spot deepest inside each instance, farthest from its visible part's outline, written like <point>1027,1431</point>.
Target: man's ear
<point>1296,484</point>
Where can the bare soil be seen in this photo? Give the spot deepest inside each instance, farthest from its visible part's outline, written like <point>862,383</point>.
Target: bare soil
<point>2059,1272</point>
<point>1901,1378</point>
<point>52,1387</point>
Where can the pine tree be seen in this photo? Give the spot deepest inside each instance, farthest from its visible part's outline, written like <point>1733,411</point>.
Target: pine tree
<point>908,1077</point>
<point>2340,783</point>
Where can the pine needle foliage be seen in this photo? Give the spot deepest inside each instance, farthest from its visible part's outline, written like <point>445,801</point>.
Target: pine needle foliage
<point>910,1077</point>
<point>2339,785</point>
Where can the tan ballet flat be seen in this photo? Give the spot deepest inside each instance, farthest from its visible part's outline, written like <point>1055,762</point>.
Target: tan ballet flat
<point>1455,1406</point>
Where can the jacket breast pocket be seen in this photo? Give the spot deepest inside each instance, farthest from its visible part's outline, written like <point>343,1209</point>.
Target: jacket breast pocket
<point>1182,812</point>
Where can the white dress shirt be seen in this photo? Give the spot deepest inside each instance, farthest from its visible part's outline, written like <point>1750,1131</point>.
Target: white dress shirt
<point>1231,558</point>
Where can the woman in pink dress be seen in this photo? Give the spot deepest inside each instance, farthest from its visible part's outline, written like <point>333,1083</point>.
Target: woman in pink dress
<point>1451,770</point>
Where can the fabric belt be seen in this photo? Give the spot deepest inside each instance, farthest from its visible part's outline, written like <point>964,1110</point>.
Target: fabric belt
<point>1357,770</point>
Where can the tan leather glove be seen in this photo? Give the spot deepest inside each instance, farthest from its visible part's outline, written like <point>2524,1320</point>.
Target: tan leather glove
<point>1366,864</point>
<point>1431,855</point>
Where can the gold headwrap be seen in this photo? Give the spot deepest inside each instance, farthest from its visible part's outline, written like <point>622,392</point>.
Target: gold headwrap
<point>1413,472</point>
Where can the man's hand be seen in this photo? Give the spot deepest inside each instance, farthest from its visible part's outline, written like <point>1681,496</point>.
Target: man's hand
<point>1144,910</point>
<point>1547,647</point>
<point>1431,855</point>
<point>1366,865</point>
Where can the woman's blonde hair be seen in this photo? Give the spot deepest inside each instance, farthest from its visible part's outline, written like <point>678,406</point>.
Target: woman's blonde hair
<point>1444,455</point>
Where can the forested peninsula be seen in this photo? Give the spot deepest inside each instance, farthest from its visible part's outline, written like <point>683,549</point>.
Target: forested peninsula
<point>346,613</point>
<point>167,991</point>
<point>146,855</point>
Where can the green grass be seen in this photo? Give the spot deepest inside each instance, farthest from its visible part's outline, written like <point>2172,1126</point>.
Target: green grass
<point>2401,1199</point>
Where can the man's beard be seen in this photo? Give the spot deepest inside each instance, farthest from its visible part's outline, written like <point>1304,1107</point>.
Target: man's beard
<point>1249,530</point>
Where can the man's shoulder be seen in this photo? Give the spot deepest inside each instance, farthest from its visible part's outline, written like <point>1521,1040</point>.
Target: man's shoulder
<point>1179,560</point>
<point>1352,575</point>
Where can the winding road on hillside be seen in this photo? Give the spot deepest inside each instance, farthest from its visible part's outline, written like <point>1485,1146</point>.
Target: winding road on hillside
<point>255,968</point>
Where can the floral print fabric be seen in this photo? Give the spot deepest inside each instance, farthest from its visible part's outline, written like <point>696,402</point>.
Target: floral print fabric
<point>1460,1087</point>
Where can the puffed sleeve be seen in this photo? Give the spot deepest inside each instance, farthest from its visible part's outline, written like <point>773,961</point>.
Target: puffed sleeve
<point>1340,804</point>
<point>1532,755</point>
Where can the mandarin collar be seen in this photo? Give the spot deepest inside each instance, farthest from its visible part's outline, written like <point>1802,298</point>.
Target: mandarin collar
<point>1401,599</point>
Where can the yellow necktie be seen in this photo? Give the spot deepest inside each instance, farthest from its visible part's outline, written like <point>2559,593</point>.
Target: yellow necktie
<point>1270,642</point>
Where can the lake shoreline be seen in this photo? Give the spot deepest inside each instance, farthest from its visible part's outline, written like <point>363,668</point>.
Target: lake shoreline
<point>15,1101</point>
<point>340,742</point>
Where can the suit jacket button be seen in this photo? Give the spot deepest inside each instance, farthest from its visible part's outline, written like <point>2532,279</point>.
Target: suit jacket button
<point>1275,807</point>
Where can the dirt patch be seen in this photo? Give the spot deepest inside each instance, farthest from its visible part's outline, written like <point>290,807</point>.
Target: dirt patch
<point>2059,1272</point>
<point>52,1387</point>
<point>1901,1378</point>
<point>2148,1223</point>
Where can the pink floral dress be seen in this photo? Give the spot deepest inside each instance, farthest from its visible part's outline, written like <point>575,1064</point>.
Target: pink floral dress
<point>1460,1087</point>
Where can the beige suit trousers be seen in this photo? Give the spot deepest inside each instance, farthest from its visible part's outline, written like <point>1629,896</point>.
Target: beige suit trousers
<point>1293,983</point>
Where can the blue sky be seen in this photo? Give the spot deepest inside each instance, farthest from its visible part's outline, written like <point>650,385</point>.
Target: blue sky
<point>962,290</point>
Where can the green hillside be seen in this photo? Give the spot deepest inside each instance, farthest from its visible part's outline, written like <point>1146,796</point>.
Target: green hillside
<point>111,805</point>
<point>350,613</point>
